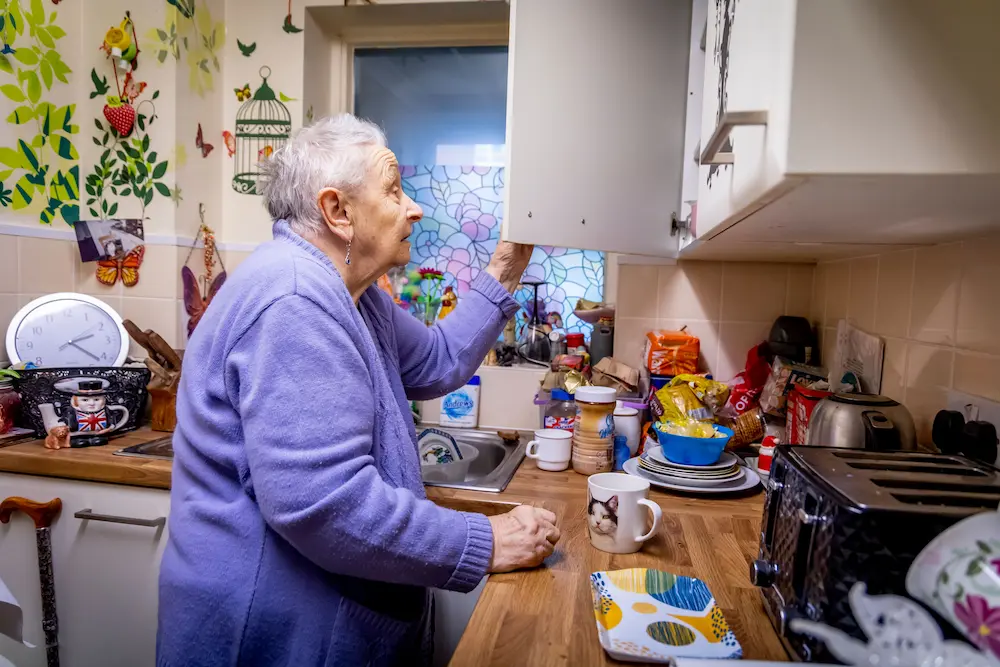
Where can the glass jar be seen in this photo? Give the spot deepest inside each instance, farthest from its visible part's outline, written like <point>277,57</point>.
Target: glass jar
<point>560,411</point>
<point>10,406</point>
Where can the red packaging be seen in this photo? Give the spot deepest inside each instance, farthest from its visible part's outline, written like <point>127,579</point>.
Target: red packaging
<point>799,408</point>
<point>745,388</point>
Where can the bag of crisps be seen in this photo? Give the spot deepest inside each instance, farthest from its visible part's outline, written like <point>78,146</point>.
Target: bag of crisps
<point>671,353</point>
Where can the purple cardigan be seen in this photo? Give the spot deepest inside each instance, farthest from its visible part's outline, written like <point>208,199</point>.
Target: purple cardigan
<point>300,533</point>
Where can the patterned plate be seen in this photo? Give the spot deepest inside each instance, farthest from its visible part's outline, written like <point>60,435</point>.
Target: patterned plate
<point>650,464</point>
<point>725,461</point>
<point>648,615</point>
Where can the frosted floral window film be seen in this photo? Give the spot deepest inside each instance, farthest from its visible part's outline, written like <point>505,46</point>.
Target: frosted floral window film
<point>463,207</point>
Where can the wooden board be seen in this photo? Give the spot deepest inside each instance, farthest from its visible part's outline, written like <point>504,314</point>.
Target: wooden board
<point>545,616</point>
<point>90,464</point>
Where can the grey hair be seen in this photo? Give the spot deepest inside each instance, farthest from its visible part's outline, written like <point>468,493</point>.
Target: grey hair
<point>330,153</point>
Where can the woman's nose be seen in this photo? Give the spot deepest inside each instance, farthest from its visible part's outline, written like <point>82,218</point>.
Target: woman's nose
<point>413,211</point>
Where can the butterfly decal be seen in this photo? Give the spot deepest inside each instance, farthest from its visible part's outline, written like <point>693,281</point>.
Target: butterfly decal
<point>194,303</point>
<point>133,88</point>
<point>264,153</point>
<point>242,94</point>
<point>126,268</point>
<point>230,142</point>
<point>199,142</point>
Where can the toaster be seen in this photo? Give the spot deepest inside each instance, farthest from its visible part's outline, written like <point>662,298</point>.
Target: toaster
<point>836,516</point>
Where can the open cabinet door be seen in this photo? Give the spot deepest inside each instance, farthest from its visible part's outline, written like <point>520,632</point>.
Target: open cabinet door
<point>596,101</point>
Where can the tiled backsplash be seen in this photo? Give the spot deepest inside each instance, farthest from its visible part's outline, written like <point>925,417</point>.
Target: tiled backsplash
<point>31,267</point>
<point>938,308</point>
<point>730,306</point>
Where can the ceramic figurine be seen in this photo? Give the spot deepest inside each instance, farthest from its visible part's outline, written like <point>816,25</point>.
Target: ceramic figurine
<point>448,302</point>
<point>87,420</point>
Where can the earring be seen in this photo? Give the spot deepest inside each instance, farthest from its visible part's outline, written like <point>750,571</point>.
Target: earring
<point>347,260</point>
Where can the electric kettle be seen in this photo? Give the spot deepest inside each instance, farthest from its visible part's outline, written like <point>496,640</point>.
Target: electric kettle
<point>861,421</point>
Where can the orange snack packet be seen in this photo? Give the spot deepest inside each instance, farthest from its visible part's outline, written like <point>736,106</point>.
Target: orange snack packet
<point>671,352</point>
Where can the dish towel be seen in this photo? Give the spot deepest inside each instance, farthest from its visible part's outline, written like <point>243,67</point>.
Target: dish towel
<point>656,615</point>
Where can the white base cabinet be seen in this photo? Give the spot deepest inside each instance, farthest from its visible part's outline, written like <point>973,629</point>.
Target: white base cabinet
<point>106,574</point>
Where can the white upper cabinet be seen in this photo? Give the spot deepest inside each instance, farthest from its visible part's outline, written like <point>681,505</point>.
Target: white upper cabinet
<point>848,122</point>
<point>596,102</point>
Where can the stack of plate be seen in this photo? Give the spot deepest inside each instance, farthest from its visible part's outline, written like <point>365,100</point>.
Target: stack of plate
<point>725,475</point>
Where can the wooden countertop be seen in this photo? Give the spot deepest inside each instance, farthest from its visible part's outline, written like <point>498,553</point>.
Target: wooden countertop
<point>90,464</point>
<point>537,617</point>
<point>545,616</point>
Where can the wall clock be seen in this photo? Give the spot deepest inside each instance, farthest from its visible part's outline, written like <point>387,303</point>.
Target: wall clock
<point>66,330</point>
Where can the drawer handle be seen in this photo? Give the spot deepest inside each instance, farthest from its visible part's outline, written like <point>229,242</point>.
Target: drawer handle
<point>730,119</point>
<point>89,515</point>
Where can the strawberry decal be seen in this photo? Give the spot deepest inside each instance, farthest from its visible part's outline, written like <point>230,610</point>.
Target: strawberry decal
<point>120,114</point>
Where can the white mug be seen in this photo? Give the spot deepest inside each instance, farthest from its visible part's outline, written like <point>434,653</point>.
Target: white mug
<point>616,518</point>
<point>551,449</point>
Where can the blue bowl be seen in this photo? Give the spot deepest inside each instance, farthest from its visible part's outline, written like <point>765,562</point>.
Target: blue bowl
<point>692,451</point>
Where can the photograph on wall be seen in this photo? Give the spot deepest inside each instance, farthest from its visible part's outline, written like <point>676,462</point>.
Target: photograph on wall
<point>107,239</point>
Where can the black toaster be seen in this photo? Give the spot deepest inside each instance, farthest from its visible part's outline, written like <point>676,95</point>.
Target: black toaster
<point>835,516</point>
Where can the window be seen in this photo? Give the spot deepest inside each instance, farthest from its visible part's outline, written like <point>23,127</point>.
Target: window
<point>444,113</point>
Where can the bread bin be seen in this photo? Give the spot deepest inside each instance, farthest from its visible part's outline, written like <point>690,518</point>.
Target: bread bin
<point>861,421</point>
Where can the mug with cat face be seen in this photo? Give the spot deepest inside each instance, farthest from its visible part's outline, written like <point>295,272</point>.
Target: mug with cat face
<point>616,516</point>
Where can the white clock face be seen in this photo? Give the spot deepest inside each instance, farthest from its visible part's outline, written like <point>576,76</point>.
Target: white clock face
<point>74,330</point>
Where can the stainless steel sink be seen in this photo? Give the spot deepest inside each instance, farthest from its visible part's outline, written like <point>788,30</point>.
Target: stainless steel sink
<point>494,466</point>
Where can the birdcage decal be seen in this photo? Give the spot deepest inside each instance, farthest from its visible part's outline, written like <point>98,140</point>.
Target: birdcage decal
<point>262,127</point>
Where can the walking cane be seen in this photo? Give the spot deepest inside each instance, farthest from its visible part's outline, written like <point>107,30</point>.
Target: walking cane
<point>43,514</point>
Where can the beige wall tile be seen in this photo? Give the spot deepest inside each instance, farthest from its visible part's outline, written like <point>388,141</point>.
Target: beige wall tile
<point>86,281</point>
<point>46,265</point>
<point>708,340</point>
<point>978,374</point>
<point>637,286</point>
<point>937,273</point>
<point>827,346</point>
<point>838,294</point>
<point>923,404</point>
<point>9,306</point>
<point>753,292</point>
<point>894,370</point>
<point>690,290</point>
<point>798,297</point>
<point>160,315</point>
<point>818,303</point>
<point>8,265</point>
<point>630,336</point>
<point>928,366</point>
<point>735,340</point>
<point>895,286</point>
<point>159,276</point>
<point>979,296</point>
<point>864,283</point>
<point>234,258</point>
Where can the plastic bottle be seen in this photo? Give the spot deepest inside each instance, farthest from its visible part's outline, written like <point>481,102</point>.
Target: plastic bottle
<point>560,412</point>
<point>461,407</point>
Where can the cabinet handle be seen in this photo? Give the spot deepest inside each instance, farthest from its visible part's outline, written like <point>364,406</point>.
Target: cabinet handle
<point>88,514</point>
<point>730,119</point>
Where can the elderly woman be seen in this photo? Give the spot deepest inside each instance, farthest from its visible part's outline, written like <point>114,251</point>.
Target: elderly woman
<point>299,529</point>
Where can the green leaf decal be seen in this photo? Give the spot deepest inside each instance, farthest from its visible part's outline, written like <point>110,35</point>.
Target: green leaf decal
<point>162,189</point>
<point>46,69</point>
<point>12,158</point>
<point>28,154</point>
<point>21,115</point>
<point>70,213</point>
<point>34,87</point>
<point>12,92</point>
<point>26,56</point>
<point>113,209</point>
<point>160,169</point>
<point>64,148</point>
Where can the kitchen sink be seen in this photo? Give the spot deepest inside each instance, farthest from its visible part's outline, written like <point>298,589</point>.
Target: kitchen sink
<point>495,465</point>
<point>491,471</point>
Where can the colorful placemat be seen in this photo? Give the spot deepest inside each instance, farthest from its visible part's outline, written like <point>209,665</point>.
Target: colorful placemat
<point>652,615</point>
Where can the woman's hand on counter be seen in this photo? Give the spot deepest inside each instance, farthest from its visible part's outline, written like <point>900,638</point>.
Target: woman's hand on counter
<point>522,538</point>
<point>508,263</point>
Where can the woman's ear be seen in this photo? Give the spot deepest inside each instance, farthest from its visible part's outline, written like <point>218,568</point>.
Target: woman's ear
<point>334,209</point>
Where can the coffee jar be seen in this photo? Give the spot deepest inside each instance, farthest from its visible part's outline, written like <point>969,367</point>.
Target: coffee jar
<point>594,430</point>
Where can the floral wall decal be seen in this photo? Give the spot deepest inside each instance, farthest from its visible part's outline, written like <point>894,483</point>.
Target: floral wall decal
<point>190,30</point>
<point>37,170</point>
<point>463,207</point>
